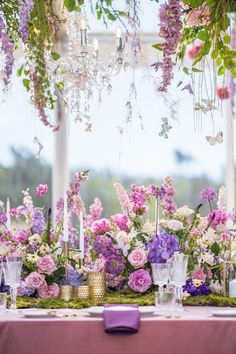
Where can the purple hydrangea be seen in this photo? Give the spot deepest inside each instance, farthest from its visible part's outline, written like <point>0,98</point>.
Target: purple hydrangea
<point>25,9</point>
<point>208,194</point>
<point>140,281</point>
<point>115,265</point>
<point>193,290</point>
<point>38,223</point>
<point>3,218</point>
<point>104,246</point>
<point>162,248</point>
<point>23,290</point>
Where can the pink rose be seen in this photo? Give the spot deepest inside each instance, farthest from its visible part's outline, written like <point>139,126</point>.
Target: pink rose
<point>35,280</point>
<point>137,258</point>
<point>41,189</point>
<point>49,291</point>
<point>46,265</point>
<point>199,274</point>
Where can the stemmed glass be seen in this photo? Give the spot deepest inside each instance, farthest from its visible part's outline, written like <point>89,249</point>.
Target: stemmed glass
<point>161,276</point>
<point>12,274</point>
<point>179,276</point>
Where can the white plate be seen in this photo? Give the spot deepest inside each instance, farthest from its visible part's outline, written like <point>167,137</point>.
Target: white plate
<point>38,314</point>
<point>224,313</point>
<point>98,310</point>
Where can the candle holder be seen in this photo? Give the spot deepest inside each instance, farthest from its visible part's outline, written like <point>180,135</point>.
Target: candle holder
<point>66,292</point>
<point>97,287</point>
<point>81,292</point>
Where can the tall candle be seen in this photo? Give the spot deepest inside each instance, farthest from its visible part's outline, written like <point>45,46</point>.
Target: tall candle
<point>81,235</point>
<point>8,209</point>
<point>65,220</point>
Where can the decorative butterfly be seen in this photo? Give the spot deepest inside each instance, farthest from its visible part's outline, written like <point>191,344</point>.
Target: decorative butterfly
<point>209,105</point>
<point>40,147</point>
<point>165,128</point>
<point>213,140</point>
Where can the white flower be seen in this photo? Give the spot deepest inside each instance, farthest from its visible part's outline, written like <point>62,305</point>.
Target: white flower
<point>207,258</point>
<point>172,224</point>
<point>221,202</point>
<point>203,223</point>
<point>148,228</point>
<point>184,211</point>
<point>32,257</point>
<point>216,287</point>
<point>44,249</point>
<point>1,204</point>
<point>185,295</point>
<point>76,257</point>
<point>210,237</point>
<point>197,282</point>
<point>123,242</point>
<point>35,238</point>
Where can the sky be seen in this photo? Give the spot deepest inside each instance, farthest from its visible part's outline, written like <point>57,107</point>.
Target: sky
<point>137,151</point>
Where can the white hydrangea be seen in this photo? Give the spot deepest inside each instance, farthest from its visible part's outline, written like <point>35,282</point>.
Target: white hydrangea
<point>207,258</point>
<point>184,211</point>
<point>148,228</point>
<point>172,224</point>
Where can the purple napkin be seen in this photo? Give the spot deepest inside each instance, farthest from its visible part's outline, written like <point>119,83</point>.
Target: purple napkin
<point>121,322</point>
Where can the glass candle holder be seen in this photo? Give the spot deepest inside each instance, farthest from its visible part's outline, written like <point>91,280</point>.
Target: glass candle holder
<point>66,292</point>
<point>97,287</point>
<point>81,292</point>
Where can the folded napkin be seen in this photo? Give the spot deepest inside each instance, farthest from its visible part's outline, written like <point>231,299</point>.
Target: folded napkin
<point>121,320</point>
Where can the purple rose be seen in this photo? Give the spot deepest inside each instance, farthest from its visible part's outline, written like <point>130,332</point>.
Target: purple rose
<point>50,291</point>
<point>140,281</point>
<point>35,280</point>
<point>46,265</point>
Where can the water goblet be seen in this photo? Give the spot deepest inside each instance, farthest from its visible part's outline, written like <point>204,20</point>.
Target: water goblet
<point>179,276</point>
<point>12,274</point>
<point>161,276</point>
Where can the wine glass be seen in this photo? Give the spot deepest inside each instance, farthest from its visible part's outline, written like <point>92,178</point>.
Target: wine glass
<point>12,274</point>
<point>179,276</point>
<point>161,276</point>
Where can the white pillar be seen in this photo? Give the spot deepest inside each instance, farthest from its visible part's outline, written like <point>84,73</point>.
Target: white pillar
<point>230,172</point>
<point>60,171</point>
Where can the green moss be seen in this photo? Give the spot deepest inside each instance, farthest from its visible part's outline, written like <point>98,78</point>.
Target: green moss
<point>123,297</point>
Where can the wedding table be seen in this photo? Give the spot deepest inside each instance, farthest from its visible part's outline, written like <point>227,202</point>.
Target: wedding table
<point>195,332</point>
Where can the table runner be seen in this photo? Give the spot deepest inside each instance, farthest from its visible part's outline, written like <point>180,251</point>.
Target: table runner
<point>196,333</point>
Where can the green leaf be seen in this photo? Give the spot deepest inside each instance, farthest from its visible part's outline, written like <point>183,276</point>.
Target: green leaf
<point>203,35</point>
<point>70,5</point>
<point>233,72</point>
<point>26,83</point>
<point>227,39</point>
<point>55,56</point>
<point>221,71</point>
<point>19,71</point>
<point>195,70</point>
<point>215,249</point>
<point>186,70</point>
<point>157,46</point>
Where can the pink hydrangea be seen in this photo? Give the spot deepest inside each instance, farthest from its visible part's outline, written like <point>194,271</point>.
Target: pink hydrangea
<point>41,189</point>
<point>50,291</point>
<point>35,281</point>
<point>100,227</point>
<point>121,221</point>
<point>199,274</point>
<point>138,197</point>
<point>140,281</point>
<point>137,258</point>
<point>217,217</point>
<point>46,265</point>
<point>194,50</point>
<point>123,197</point>
<point>96,210</point>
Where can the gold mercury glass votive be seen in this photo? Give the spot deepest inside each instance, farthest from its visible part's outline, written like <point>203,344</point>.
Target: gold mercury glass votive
<point>97,287</point>
<point>81,292</point>
<point>66,292</point>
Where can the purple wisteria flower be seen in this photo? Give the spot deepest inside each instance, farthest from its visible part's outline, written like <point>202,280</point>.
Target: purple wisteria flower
<point>7,47</point>
<point>38,223</point>
<point>104,246</point>
<point>3,218</point>
<point>196,287</point>
<point>208,194</point>
<point>162,248</point>
<point>25,9</point>
<point>115,265</point>
<point>140,281</point>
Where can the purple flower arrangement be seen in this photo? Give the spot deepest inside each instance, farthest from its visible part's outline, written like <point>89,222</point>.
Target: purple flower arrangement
<point>196,287</point>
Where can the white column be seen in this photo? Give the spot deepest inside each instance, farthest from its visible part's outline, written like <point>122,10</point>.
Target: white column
<point>60,170</point>
<point>230,172</point>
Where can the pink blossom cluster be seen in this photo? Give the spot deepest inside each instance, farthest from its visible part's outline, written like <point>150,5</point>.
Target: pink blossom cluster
<point>170,31</point>
<point>59,212</point>
<point>100,227</point>
<point>22,236</point>
<point>217,217</point>
<point>123,198</point>
<point>121,221</point>
<point>138,197</point>
<point>41,189</point>
<point>95,210</point>
<point>169,206</point>
<point>199,274</point>
<point>194,50</point>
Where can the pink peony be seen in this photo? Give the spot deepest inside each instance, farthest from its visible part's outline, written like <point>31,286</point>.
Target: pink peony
<point>121,221</point>
<point>35,281</point>
<point>46,265</point>
<point>194,50</point>
<point>140,281</point>
<point>41,189</point>
<point>100,227</point>
<point>198,17</point>
<point>223,93</point>
<point>49,291</point>
<point>199,274</point>
<point>137,258</point>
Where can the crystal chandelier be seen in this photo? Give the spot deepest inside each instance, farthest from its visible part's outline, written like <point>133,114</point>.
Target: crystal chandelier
<point>82,71</point>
